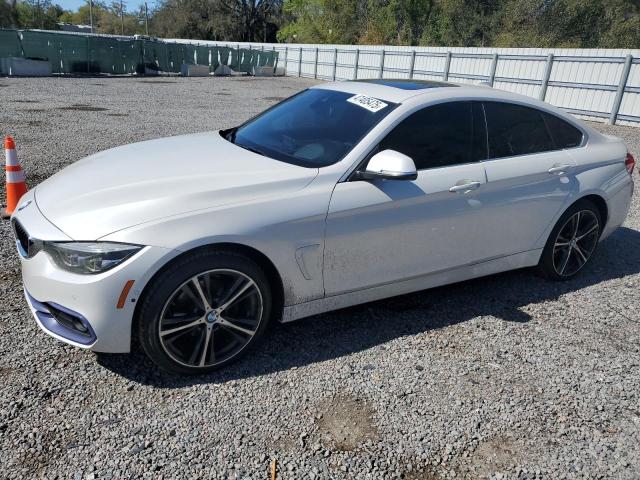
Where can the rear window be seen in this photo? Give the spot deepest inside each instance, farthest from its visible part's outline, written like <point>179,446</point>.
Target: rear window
<point>516,130</point>
<point>564,134</point>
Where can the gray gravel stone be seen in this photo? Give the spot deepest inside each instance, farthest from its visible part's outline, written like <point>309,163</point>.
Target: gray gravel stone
<point>504,377</point>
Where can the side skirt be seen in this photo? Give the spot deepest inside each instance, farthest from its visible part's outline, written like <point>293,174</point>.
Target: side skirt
<point>459,274</point>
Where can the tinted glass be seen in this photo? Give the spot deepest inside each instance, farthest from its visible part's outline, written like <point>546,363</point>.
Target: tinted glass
<point>408,84</point>
<point>315,128</point>
<point>438,136</point>
<point>516,130</point>
<point>564,134</point>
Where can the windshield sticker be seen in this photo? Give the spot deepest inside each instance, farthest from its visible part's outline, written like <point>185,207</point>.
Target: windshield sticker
<point>372,104</point>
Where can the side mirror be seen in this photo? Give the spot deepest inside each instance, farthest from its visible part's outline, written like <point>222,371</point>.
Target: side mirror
<point>389,165</point>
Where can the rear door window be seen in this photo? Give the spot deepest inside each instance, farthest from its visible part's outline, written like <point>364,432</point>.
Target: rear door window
<point>516,130</point>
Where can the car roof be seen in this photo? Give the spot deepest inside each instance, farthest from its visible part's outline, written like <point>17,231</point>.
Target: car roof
<point>390,90</point>
<point>407,84</point>
<point>400,91</point>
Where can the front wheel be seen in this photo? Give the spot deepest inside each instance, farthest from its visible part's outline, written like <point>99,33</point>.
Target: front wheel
<point>572,241</point>
<point>204,311</point>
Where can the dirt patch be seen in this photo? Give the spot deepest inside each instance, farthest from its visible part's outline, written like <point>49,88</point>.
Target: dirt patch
<point>275,99</point>
<point>51,446</point>
<point>82,107</point>
<point>495,455</point>
<point>345,423</point>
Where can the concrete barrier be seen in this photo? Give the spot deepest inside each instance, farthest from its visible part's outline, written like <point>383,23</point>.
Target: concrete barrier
<point>24,67</point>
<point>223,71</point>
<point>190,70</point>
<point>262,71</point>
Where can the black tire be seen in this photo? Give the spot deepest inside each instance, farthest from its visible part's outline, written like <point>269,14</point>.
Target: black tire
<point>554,255</point>
<point>175,286</point>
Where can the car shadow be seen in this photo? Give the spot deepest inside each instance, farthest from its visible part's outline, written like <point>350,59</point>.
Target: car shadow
<point>343,332</point>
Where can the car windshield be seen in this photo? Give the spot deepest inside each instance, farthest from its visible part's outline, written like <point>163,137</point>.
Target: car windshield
<point>314,128</point>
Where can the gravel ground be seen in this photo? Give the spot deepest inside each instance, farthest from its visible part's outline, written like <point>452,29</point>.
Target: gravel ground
<point>509,376</point>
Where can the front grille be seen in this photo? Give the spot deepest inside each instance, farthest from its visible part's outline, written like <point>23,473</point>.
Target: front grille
<point>22,236</point>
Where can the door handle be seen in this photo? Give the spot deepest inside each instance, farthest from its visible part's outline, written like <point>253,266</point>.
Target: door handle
<point>465,187</point>
<point>559,169</point>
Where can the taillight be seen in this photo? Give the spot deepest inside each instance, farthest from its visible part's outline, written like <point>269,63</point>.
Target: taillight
<point>629,163</point>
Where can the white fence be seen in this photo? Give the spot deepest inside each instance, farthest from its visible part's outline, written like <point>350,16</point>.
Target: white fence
<point>595,84</point>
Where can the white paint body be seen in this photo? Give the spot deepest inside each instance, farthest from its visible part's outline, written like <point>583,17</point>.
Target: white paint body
<point>333,242</point>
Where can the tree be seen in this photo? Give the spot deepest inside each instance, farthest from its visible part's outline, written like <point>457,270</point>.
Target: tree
<point>113,20</point>
<point>462,23</point>
<point>233,20</point>
<point>35,14</point>
<point>321,21</point>
<point>7,14</point>
<point>570,24</point>
<point>252,16</point>
<point>396,22</point>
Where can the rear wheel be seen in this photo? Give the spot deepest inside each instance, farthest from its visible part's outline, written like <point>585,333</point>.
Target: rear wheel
<point>204,311</point>
<point>572,242</point>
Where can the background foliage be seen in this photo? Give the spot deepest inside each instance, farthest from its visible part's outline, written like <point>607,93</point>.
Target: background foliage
<point>469,23</point>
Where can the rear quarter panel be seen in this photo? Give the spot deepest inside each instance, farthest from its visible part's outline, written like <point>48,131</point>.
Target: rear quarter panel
<point>600,170</point>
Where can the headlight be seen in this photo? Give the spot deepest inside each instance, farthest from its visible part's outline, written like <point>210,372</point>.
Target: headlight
<point>89,257</point>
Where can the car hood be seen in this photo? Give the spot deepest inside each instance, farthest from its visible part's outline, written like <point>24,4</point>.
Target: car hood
<point>146,181</point>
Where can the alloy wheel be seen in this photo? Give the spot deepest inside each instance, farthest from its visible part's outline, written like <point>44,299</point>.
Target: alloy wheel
<point>576,241</point>
<point>210,318</point>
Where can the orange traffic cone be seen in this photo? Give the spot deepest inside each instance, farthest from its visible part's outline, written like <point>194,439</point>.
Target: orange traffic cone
<point>16,184</point>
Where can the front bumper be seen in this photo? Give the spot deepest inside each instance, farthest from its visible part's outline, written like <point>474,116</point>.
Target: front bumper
<point>62,323</point>
<point>90,299</point>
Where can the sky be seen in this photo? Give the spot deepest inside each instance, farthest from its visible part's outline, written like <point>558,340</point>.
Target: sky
<point>129,4</point>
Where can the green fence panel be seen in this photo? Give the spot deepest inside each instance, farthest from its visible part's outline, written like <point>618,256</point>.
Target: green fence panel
<point>105,56</point>
<point>40,46</point>
<point>155,55</point>
<point>269,57</point>
<point>9,44</point>
<point>234,58</point>
<point>245,60</point>
<point>202,55</point>
<point>189,54</point>
<point>74,54</point>
<point>131,51</point>
<point>175,57</point>
<point>215,61</point>
<point>258,59</point>
<point>264,58</point>
<point>223,55</point>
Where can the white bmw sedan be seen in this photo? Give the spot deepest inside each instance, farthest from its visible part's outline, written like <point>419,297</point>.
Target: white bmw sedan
<point>342,194</point>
